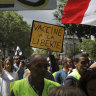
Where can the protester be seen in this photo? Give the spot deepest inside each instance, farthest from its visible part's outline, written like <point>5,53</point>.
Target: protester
<point>81,62</point>
<point>62,74</point>
<point>18,67</point>
<point>70,63</point>
<point>66,91</point>
<point>87,82</point>
<point>54,67</point>
<point>48,74</point>
<point>59,61</point>
<point>35,84</point>
<point>7,75</point>
<point>9,69</point>
<point>90,60</point>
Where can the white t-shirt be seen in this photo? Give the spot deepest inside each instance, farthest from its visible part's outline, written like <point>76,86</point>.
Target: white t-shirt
<point>11,75</point>
<point>5,79</point>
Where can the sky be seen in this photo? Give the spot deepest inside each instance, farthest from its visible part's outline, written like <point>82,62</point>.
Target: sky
<point>38,15</point>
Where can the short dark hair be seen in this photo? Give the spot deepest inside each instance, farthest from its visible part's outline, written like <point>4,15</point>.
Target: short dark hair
<point>66,91</point>
<point>87,76</point>
<point>64,63</point>
<point>77,57</point>
<point>32,57</point>
<point>87,54</point>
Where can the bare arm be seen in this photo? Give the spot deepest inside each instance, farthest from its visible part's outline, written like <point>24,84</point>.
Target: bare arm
<point>20,66</point>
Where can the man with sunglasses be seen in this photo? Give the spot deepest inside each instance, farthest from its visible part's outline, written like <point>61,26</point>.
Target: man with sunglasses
<point>81,63</point>
<point>18,67</point>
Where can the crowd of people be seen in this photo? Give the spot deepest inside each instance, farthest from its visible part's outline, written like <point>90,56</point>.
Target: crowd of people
<point>39,76</point>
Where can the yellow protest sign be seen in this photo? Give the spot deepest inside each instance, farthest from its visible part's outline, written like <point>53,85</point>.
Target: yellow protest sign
<point>46,36</point>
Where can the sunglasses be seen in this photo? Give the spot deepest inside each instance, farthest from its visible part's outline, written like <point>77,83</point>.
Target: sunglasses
<point>17,58</point>
<point>84,62</point>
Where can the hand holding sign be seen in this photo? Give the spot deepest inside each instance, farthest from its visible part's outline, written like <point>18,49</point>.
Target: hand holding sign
<point>49,51</point>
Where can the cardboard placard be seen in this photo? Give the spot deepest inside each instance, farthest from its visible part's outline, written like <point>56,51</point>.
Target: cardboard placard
<point>46,36</point>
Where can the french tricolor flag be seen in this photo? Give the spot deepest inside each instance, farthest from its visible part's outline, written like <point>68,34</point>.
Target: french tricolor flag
<point>80,12</point>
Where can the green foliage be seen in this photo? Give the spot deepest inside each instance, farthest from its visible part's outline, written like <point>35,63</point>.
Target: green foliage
<point>78,29</point>
<point>89,46</point>
<point>72,52</point>
<point>14,31</point>
<point>41,51</point>
<point>45,52</point>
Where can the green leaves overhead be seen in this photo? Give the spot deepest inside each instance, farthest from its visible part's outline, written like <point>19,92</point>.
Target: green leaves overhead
<point>78,29</point>
<point>14,31</point>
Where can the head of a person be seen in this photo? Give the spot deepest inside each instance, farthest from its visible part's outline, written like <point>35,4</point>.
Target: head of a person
<point>17,59</point>
<point>38,66</point>
<point>90,60</point>
<point>81,62</point>
<point>86,53</point>
<point>65,65</point>
<point>87,82</point>
<point>69,61</point>
<point>59,61</point>
<point>8,64</point>
<point>66,91</point>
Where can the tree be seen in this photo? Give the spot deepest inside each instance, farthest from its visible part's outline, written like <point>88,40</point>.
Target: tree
<point>41,51</point>
<point>14,31</point>
<point>78,29</point>
<point>44,52</point>
<point>88,46</point>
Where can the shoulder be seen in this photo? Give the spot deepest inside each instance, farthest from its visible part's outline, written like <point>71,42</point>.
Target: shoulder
<point>19,82</point>
<point>49,82</point>
<point>18,85</point>
<point>60,71</point>
<point>15,66</point>
<point>14,72</point>
<point>70,81</point>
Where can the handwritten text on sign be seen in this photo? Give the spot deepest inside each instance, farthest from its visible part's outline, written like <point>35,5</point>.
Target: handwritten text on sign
<point>47,36</point>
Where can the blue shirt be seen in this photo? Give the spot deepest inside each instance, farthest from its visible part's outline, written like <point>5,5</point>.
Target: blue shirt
<point>60,76</point>
<point>20,73</point>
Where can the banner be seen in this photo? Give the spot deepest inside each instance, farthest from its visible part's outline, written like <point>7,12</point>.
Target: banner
<point>18,51</point>
<point>80,12</point>
<point>46,36</point>
<point>27,4</point>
